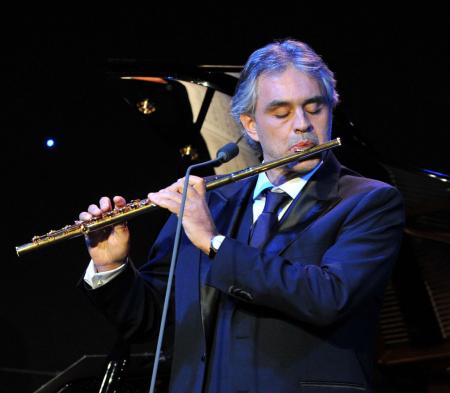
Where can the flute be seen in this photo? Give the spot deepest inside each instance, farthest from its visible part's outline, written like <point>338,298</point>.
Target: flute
<point>138,207</point>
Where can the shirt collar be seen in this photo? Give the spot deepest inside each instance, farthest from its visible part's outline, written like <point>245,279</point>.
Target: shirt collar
<point>292,187</point>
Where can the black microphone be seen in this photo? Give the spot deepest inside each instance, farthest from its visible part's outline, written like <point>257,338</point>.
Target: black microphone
<point>226,153</point>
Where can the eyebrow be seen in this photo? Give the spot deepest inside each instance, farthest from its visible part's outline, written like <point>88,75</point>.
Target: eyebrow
<point>279,103</point>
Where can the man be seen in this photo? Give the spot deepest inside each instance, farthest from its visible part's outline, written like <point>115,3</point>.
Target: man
<point>289,307</point>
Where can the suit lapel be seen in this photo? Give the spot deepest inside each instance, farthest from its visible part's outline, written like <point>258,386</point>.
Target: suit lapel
<point>319,196</point>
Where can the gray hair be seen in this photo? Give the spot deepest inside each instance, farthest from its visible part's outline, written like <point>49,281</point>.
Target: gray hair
<point>275,58</point>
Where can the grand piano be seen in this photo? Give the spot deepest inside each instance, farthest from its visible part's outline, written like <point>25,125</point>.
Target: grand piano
<point>188,106</point>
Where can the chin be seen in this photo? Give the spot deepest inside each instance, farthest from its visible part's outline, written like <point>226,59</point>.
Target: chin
<point>305,166</point>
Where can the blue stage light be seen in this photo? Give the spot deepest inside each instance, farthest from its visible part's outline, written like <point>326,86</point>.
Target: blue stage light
<point>50,143</point>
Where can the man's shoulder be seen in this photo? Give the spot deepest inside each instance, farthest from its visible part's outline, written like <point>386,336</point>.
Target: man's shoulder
<point>351,183</point>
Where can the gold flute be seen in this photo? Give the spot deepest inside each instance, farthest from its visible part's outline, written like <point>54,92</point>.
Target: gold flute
<point>138,207</point>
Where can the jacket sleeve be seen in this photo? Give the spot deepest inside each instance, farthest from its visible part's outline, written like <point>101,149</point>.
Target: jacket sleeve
<point>133,300</point>
<point>354,267</point>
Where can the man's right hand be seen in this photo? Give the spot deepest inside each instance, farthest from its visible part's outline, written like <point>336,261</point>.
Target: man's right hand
<point>108,247</point>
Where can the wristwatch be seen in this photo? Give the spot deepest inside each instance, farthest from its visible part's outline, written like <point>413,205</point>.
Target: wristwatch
<point>214,245</point>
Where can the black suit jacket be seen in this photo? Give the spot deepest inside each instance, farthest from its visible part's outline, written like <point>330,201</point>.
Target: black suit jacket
<point>298,316</point>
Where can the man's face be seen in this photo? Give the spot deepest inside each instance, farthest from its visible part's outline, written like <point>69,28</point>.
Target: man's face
<point>291,115</point>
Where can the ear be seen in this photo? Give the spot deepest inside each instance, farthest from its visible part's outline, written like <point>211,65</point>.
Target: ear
<point>249,124</point>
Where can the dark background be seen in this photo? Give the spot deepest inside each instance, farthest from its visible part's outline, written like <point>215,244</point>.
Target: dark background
<point>392,70</point>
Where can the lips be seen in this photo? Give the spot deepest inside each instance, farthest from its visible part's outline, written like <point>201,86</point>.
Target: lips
<point>303,145</point>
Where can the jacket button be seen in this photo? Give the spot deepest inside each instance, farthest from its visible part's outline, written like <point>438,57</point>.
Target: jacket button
<point>240,293</point>
<point>203,358</point>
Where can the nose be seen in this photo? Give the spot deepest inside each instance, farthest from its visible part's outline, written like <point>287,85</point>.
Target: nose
<point>302,123</point>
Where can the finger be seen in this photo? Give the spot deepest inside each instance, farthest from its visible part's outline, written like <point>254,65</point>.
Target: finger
<point>95,237</point>
<point>94,210</point>
<point>181,182</point>
<point>168,204</point>
<point>198,183</point>
<point>119,202</point>
<point>85,216</point>
<point>192,193</point>
<point>167,199</point>
<point>105,204</point>
<point>195,182</point>
<point>165,195</point>
<point>120,227</point>
<point>178,186</point>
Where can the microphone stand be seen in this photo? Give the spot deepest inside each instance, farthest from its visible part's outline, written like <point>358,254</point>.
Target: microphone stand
<point>222,156</point>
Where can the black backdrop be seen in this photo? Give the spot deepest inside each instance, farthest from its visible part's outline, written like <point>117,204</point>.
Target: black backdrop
<point>392,76</point>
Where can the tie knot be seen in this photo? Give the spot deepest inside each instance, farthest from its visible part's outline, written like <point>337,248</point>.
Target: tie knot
<point>274,200</point>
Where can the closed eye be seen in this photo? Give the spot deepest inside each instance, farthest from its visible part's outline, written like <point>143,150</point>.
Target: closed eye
<point>281,115</point>
<point>314,105</point>
<point>314,111</point>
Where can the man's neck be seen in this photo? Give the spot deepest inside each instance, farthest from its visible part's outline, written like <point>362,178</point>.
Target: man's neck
<point>278,176</point>
<point>291,186</point>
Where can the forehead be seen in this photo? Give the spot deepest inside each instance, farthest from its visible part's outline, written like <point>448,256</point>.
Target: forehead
<point>288,85</point>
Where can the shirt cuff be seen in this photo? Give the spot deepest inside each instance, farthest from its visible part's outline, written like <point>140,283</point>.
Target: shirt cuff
<point>96,279</point>
<point>217,241</point>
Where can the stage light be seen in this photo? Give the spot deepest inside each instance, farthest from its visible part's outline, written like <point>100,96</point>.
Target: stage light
<point>50,143</point>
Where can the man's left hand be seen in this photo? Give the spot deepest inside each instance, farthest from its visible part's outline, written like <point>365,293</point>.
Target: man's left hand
<point>197,221</point>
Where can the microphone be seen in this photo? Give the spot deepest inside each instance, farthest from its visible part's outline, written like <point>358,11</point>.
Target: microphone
<point>226,153</point>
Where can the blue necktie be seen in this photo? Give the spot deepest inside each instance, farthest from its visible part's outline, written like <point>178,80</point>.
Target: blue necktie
<point>266,223</point>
